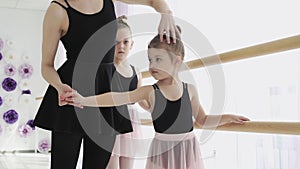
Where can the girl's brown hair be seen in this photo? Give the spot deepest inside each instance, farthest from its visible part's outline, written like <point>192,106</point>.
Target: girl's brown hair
<point>175,48</point>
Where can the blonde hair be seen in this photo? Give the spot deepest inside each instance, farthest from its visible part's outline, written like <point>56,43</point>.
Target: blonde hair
<point>122,23</point>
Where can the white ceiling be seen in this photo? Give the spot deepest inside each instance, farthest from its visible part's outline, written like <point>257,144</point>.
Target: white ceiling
<point>25,4</point>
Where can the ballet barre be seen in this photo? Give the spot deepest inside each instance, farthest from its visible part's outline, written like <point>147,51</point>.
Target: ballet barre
<point>267,127</point>
<point>285,44</point>
<point>280,45</point>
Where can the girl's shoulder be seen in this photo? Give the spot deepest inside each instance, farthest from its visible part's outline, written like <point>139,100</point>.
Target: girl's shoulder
<point>136,69</point>
<point>191,88</point>
<point>147,87</point>
<point>146,90</point>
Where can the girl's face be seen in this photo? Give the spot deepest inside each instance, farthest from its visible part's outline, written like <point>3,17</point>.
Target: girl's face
<point>124,43</point>
<point>161,66</point>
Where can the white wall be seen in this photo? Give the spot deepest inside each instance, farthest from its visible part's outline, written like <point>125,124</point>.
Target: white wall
<point>227,25</point>
<point>24,27</point>
<point>230,25</point>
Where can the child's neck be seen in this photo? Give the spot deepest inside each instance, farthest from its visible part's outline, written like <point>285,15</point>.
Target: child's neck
<point>119,62</point>
<point>169,81</point>
<point>123,67</point>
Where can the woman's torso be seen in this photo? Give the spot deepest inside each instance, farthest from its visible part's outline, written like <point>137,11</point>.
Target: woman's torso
<point>81,29</point>
<point>82,26</point>
<point>89,39</point>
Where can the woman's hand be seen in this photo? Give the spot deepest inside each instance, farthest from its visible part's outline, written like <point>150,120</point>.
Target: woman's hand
<point>167,26</point>
<point>75,99</point>
<point>62,90</point>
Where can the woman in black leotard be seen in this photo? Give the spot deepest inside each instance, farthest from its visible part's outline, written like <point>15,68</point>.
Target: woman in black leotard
<point>73,22</point>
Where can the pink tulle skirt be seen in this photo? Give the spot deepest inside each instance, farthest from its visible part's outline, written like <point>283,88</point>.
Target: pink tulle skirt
<point>174,151</point>
<point>127,145</point>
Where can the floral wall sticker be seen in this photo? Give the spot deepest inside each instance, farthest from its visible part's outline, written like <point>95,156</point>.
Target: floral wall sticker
<point>16,95</point>
<point>10,70</point>
<point>11,116</point>
<point>25,71</point>
<point>44,145</point>
<point>9,84</point>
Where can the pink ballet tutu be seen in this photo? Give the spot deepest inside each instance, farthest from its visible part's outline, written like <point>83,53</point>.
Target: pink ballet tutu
<point>127,145</point>
<point>174,151</point>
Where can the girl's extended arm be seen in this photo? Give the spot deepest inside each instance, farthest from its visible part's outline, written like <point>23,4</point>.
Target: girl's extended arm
<point>209,121</point>
<point>110,99</point>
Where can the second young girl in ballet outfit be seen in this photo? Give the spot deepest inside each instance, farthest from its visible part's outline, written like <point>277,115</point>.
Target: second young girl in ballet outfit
<point>173,104</point>
<point>128,78</point>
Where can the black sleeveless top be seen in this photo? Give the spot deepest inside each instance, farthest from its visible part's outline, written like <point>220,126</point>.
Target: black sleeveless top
<point>81,28</point>
<point>172,117</point>
<point>124,84</point>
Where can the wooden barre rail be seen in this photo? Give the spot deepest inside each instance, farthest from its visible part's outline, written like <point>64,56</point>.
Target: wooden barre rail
<point>292,128</point>
<point>280,45</point>
<point>249,52</point>
<point>244,53</point>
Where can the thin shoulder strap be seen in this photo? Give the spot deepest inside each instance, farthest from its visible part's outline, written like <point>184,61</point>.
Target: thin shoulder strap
<point>133,69</point>
<point>59,4</point>
<point>67,3</point>
<point>184,85</point>
<point>155,87</point>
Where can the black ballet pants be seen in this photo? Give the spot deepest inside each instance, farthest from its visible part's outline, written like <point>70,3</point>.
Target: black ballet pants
<point>65,150</point>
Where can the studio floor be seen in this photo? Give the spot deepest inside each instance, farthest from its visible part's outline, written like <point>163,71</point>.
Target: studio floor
<point>38,161</point>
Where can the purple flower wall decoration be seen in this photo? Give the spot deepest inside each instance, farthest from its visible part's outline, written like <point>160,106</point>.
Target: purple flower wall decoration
<point>1,101</point>
<point>10,117</point>
<point>30,123</point>
<point>25,70</point>
<point>10,70</point>
<point>44,146</point>
<point>25,130</point>
<point>26,92</point>
<point>9,84</point>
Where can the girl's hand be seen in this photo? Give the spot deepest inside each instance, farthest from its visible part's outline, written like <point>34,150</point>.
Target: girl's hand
<point>73,98</point>
<point>167,26</point>
<point>62,90</point>
<point>237,119</point>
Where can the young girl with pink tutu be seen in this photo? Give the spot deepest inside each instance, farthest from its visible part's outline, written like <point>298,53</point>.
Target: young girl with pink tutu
<point>173,104</point>
<point>127,78</point>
